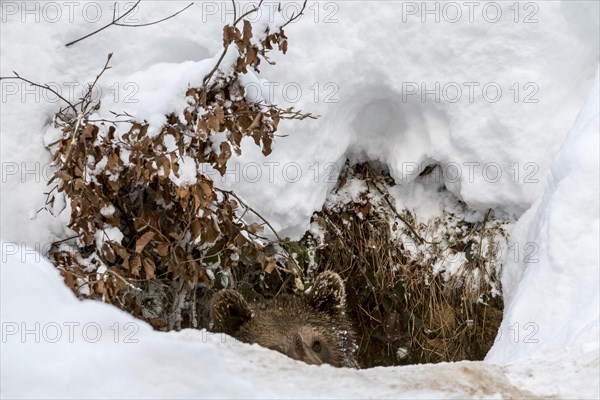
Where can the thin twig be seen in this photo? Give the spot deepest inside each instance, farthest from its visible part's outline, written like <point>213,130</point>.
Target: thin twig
<point>279,240</point>
<point>82,115</point>
<point>295,17</point>
<point>115,21</point>
<point>242,202</point>
<point>156,22</point>
<point>386,195</point>
<point>88,94</point>
<point>45,86</point>
<point>236,21</point>
<point>106,26</point>
<point>63,240</point>
<point>214,69</point>
<point>125,281</point>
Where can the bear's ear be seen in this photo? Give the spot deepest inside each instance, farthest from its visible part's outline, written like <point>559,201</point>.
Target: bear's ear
<point>328,294</point>
<point>229,311</point>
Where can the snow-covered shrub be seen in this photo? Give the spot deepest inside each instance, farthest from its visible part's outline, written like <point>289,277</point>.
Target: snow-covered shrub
<point>151,228</point>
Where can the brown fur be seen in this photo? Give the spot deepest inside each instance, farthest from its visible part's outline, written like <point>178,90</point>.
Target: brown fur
<point>313,328</point>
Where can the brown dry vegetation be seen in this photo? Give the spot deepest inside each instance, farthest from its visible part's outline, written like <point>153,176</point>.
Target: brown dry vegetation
<point>396,299</point>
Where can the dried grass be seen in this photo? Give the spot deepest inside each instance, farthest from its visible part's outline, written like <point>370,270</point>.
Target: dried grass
<point>406,312</point>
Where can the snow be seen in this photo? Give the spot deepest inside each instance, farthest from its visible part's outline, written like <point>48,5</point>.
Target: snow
<point>65,348</point>
<point>367,73</point>
<point>187,172</point>
<point>558,238</point>
<point>110,233</point>
<point>55,346</point>
<point>107,211</point>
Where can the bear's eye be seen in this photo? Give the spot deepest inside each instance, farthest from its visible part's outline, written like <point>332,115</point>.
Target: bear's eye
<point>316,346</point>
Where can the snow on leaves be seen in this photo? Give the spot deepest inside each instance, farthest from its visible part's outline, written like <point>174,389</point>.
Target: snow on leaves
<point>171,219</point>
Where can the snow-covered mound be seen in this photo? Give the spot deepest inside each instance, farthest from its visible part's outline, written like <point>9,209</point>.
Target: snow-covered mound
<point>552,288</point>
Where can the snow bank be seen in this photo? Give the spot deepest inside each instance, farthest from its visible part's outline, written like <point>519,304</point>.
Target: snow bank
<point>552,288</point>
<point>55,346</point>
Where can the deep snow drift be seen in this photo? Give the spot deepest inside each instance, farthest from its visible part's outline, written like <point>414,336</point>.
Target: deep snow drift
<point>558,285</point>
<point>374,73</point>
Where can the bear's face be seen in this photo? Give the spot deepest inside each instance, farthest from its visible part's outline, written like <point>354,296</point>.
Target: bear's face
<point>312,328</point>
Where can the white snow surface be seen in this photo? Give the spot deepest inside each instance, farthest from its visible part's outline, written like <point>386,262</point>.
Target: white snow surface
<point>537,161</point>
<point>558,241</point>
<point>55,346</point>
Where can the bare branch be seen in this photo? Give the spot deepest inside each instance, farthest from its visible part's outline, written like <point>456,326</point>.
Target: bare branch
<point>214,69</point>
<point>386,196</point>
<point>91,87</point>
<point>243,203</point>
<point>295,17</point>
<point>45,86</point>
<point>234,11</point>
<point>236,21</point>
<point>54,244</point>
<point>115,21</point>
<point>247,207</point>
<point>106,26</point>
<point>156,22</point>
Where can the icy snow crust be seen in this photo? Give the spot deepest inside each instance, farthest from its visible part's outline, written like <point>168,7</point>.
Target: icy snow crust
<point>364,59</point>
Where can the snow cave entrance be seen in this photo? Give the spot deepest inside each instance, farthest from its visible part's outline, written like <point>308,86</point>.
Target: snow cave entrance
<point>421,288</point>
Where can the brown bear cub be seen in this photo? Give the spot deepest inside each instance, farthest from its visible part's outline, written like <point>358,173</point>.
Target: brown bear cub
<point>313,328</point>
